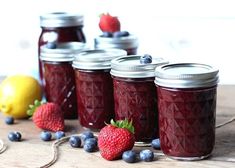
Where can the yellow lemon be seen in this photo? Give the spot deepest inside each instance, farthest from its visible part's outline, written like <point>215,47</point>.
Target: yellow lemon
<point>17,92</point>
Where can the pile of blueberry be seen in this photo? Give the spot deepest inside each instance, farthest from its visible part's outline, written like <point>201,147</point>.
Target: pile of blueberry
<point>86,139</point>
<point>116,34</point>
<point>88,142</point>
<point>145,155</point>
<point>47,136</point>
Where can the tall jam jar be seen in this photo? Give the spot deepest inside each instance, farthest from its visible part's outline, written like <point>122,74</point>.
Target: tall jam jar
<point>60,27</point>
<point>58,76</point>
<point>135,94</point>
<point>187,109</point>
<point>94,87</point>
<point>128,43</point>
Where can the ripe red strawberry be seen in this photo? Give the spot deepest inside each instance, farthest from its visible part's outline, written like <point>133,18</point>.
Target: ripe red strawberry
<point>47,116</point>
<point>109,23</point>
<point>116,138</point>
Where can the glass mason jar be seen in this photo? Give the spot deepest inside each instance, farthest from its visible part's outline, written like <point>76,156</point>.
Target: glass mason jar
<point>128,43</point>
<point>58,76</point>
<point>94,87</point>
<point>135,95</point>
<point>60,27</point>
<point>187,107</point>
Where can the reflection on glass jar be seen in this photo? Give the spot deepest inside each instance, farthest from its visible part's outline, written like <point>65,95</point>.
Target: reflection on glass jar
<point>128,43</point>
<point>60,27</point>
<point>135,94</point>
<point>94,88</point>
<point>187,107</point>
<point>58,76</point>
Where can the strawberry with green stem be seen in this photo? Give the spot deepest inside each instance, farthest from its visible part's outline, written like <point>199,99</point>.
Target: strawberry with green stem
<point>47,116</point>
<point>116,138</point>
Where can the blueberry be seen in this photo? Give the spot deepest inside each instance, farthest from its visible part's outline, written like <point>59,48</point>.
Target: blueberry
<point>45,136</point>
<point>91,140</point>
<point>59,134</point>
<point>18,136</point>
<point>51,45</point>
<point>90,144</point>
<point>146,155</point>
<point>14,136</point>
<point>9,120</point>
<point>107,34</point>
<point>146,59</point>
<point>129,156</point>
<point>75,141</point>
<point>121,34</point>
<point>87,134</point>
<point>156,143</point>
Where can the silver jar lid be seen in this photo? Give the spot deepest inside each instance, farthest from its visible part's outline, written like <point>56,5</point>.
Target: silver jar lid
<point>97,59</point>
<point>186,75</point>
<point>61,19</point>
<point>127,42</point>
<point>63,52</point>
<point>130,67</point>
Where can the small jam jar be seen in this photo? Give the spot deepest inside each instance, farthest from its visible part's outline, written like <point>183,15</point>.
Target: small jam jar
<point>135,94</point>
<point>58,76</point>
<point>94,87</point>
<point>60,27</point>
<point>187,109</point>
<point>128,43</point>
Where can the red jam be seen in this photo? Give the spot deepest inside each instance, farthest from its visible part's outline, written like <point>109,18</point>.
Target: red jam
<point>64,30</point>
<point>135,99</point>
<point>131,51</point>
<point>187,109</point>
<point>60,86</point>
<point>94,97</point>
<point>187,121</point>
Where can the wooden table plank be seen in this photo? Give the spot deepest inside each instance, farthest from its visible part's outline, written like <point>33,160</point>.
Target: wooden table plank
<point>32,152</point>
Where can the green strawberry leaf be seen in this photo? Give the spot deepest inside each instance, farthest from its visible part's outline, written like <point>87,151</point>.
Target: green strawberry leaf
<point>123,124</point>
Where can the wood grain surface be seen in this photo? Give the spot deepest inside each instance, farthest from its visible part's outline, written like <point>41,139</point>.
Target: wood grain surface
<point>32,152</point>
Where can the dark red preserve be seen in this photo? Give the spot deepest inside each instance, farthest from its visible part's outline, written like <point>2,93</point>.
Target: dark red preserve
<point>58,76</point>
<point>60,27</point>
<point>187,109</point>
<point>94,88</point>
<point>135,94</point>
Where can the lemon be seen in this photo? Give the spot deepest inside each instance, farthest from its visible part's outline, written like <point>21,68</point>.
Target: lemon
<point>17,92</point>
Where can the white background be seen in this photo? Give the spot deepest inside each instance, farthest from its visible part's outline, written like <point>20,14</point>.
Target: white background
<point>178,30</point>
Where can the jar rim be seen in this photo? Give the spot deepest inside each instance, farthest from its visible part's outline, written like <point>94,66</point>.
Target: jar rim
<point>61,19</point>
<point>130,67</point>
<point>63,51</point>
<point>97,59</point>
<point>186,75</point>
<point>127,42</point>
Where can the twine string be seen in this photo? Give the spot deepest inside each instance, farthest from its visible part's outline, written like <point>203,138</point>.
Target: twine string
<point>3,147</point>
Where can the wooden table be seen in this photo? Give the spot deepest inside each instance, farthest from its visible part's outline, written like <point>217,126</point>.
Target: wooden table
<point>32,152</point>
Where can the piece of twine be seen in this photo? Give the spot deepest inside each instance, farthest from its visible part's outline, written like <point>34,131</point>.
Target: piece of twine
<point>3,147</point>
<point>56,143</point>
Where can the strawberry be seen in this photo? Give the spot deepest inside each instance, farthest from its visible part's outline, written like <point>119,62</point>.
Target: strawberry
<point>109,23</point>
<point>116,138</point>
<point>47,116</point>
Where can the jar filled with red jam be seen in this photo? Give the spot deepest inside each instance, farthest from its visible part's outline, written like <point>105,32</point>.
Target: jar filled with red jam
<point>187,109</point>
<point>58,76</point>
<point>60,27</point>
<point>94,88</point>
<point>135,94</point>
<point>128,43</point>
